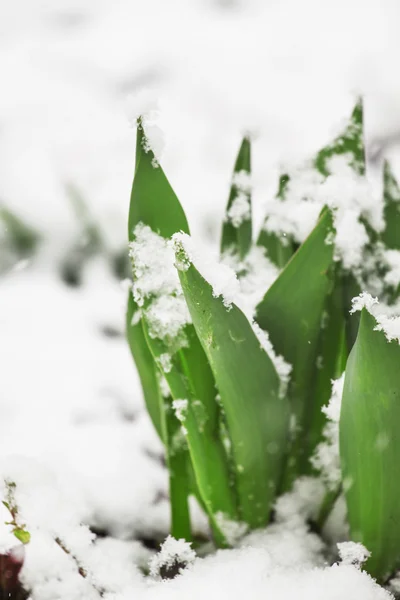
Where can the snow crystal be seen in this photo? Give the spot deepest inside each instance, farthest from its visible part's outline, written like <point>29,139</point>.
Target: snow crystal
<point>326,458</point>
<point>173,553</point>
<point>352,553</point>
<point>143,106</point>
<point>239,211</point>
<point>156,285</point>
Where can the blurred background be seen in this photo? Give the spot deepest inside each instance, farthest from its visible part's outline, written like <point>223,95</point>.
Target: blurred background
<point>73,74</point>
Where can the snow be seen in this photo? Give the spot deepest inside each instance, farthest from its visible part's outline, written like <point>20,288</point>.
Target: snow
<point>156,282</point>
<point>172,551</point>
<point>388,324</point>
<point>239,211</point>
<point>352,553</point>
<point>326,458</point>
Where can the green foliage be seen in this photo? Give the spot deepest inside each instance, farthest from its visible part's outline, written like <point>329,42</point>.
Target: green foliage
<point>257,418</point>
<point>291,312</point>
<point>370,445</point>
<point>234,435</point>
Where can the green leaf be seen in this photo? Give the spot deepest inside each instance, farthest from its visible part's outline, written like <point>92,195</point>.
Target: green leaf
<point>248,384</point>
<point>370,446</point>
<point>391,192</point>
<point>22,535</point>
<point>236,237</point>
<point>291,313</point>
<point>153,201</point>
<point>331,360</point>
<point>146,368</point>
<point>192,386</point>
<point>349,142</point>
<point>22,238</point>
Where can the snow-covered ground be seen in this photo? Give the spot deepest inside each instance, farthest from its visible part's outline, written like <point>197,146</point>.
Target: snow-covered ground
<point>74,435</point>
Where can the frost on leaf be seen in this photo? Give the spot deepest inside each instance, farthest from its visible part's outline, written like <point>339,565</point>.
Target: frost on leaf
<point>352,553</point>
<point>173,558</point>
<point>326,459</point>
<point>387,323</point>
<point>239,211</point>
<point>282,367</point>
<point>156,287</point>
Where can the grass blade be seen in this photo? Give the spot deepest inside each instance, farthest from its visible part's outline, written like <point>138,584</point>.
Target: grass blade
<point>370,445</point>
<point>291,313</point>
<point>248,384</point>
<point>237,226</point>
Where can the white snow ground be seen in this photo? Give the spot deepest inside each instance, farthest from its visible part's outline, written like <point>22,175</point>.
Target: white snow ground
<point>74,435</point>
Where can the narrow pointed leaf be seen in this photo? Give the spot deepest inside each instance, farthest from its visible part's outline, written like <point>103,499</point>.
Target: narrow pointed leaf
<point>248,384</point>
<point>237,226</point>
<point>291,312</point>
<point>146,369</point>
<point>370,446</point>
<point>198,411</point>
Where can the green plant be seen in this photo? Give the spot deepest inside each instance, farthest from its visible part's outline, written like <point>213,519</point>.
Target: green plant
<point>236,359</point>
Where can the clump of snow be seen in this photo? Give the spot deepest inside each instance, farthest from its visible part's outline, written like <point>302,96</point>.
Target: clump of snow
<point>180,407</point>
<point>233,531</point>
<point>301,503</point>
<point>389,325</point>
<point>242,181</point>
<point>174,554</point>
<point>156,286</point>
<point>282,367</point>
<point>253,572</point>
<point>352,553</point>
<point>143,107</point>
<point>326,458</point>
<point>256,274</point>
<point>239,211</point>
<point>222,278</point>
<point>349,195</point>
<point>392,259</point>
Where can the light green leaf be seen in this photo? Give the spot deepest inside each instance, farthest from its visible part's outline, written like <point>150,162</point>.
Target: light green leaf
<point>257,418</point>
<point>370,446</point>
<point>291,313</point>
<point>237,226</point>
